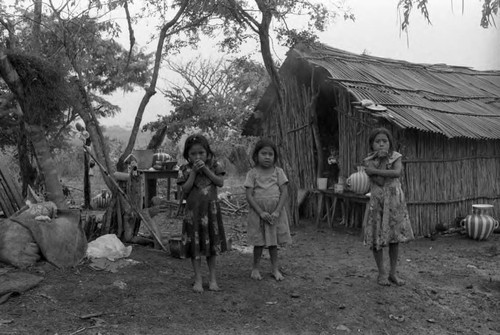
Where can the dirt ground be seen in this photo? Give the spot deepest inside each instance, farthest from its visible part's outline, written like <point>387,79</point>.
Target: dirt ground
<point>453,287</point>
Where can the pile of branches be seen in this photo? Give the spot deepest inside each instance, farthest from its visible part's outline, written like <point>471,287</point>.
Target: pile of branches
<point>233,204</point>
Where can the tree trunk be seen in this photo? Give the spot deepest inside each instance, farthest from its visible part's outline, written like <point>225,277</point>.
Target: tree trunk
<point>151,90</point>
<point>265,49</point>
<point>37,136</point>
<point>37,20</point>
<point>96,136</point>
<point>28,171</point>
<point>157,138</point>
<point>48,166</point>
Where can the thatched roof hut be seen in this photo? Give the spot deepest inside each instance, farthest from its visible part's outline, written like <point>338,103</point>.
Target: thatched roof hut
<point>445,121</point>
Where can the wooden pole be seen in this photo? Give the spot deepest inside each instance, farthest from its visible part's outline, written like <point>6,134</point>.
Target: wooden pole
<point>86,181</point>
<point>132,205</point>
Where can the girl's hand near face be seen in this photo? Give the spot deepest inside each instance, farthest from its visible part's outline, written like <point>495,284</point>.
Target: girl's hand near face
<point>199,165</point>
<point>383,153</point>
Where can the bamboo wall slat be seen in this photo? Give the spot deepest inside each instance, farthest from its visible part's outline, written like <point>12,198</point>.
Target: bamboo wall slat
<point>290,129</point>
<point>438,185</point>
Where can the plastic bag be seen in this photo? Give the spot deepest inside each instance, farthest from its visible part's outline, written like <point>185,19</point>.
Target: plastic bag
<point>108,246</point>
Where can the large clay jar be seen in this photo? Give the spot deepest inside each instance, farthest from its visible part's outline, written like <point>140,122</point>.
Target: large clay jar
<point>479,225</point>
<point>358,182</point>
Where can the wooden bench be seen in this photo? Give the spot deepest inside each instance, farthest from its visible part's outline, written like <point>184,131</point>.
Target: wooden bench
<point>354,208</point>
<point>150,179</point>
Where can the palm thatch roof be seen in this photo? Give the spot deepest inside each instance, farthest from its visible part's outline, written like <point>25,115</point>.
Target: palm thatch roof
<point>449,100</point>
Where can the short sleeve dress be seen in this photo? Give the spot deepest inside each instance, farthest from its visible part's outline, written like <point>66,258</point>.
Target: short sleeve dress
<point>202,228</point>
<point>266,191</point>
<point>388,220</point>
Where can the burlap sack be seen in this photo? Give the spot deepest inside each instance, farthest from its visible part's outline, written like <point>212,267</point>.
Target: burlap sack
<point>17,245</point>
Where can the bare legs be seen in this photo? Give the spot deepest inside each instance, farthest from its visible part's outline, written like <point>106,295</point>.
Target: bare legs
<point>273,254</point>
<point>212,281</point>
<point>393,257</point>
<point>379,259</point>
<point>198,283</point>
<point>257,254</point>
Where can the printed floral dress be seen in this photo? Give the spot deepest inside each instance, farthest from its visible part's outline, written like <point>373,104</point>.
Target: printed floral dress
<point>202,227</point>
<point>388,220</point>
<point>266,192</point>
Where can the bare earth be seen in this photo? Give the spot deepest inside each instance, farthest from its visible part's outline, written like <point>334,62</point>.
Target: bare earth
<point>453,287</point>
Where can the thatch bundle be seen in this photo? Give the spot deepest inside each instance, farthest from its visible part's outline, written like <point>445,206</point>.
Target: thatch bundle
<point>44,86</point>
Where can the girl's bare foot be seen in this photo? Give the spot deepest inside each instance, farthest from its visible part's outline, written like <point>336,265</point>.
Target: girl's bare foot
<point>198,287</point>
<point>396,280</point>
<point>213,287</point>
<point>256,274</point>
<point>382,280</point>
<point>277,275</point>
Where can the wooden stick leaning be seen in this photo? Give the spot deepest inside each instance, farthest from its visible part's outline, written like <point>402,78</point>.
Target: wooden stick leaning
<point>125,196</point>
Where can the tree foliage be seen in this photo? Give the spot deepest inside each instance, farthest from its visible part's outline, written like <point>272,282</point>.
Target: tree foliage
<point>82,39</point>
<point>488,12</point>
<point>214,97</point>
<point>63,58</point>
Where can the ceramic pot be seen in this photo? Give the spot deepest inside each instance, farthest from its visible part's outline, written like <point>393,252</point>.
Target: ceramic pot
<point>482,209</point>
<point>485,209</point>
<point>359,182</point>
<point>479,226</point>
<point>159,159</point>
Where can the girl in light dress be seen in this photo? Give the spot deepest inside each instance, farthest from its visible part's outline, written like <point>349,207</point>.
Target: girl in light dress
<point>267,193</point>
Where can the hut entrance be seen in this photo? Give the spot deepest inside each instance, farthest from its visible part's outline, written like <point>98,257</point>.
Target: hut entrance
<point>328,131</point>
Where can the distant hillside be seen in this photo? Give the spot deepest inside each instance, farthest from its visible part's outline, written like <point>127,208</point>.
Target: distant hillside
<point>123,134</point>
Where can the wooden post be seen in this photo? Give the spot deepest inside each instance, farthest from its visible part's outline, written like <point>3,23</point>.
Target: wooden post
<point>131,220</point>
<point>86,181</point>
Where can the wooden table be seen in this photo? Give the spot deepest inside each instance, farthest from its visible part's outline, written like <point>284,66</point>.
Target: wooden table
<point>354,207</point>
<point>150,180</point>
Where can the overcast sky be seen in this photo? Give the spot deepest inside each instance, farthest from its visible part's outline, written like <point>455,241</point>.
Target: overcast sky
<point>454,38</point>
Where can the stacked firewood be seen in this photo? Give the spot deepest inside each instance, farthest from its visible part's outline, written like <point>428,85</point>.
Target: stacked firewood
<point>233,204</point>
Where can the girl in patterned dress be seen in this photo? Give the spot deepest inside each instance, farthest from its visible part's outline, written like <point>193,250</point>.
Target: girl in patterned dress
<point>202,228</point>
<point>267,192</point>
<point>388,223</point>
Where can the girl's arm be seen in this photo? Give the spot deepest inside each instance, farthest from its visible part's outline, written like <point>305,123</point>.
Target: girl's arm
<point>251,201</point>
<point>395,172</point>
<point>217,180</point>
<point>282,201</point>
<point>188,184</point>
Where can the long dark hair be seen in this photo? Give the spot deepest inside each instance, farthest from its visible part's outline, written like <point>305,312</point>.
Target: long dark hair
<point>197,139</point>
<point>262,143</point>
<point>384,131</point>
